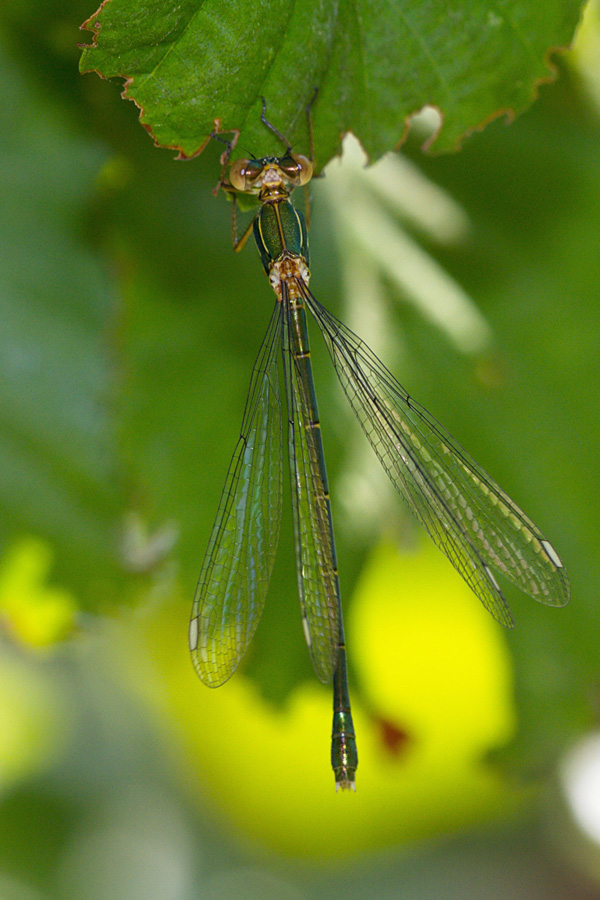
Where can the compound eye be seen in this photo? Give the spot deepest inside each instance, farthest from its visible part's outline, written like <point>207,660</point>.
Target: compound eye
<point>243,172</point>
<point>305,168</point>
<point>237,174</point>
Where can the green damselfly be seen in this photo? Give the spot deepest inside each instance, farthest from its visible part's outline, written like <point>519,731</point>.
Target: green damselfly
<point>466,513</point>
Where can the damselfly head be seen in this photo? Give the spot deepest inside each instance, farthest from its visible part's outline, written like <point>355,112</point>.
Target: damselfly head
<point>249,175</point>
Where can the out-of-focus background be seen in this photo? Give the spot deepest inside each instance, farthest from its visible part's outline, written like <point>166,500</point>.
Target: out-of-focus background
<point>128,331</point>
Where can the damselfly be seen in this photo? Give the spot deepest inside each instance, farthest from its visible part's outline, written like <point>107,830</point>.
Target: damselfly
<point>468,516</point>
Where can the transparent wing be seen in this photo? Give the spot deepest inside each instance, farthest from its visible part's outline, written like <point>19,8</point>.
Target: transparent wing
<point>235,575</point>
<point>468,516</point>
<point>318,585</point>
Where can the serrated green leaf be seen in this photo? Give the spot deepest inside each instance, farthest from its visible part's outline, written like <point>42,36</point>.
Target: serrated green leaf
<point>202,65</point>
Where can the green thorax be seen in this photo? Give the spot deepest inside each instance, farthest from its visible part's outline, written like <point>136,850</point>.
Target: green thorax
<point>279,227</point>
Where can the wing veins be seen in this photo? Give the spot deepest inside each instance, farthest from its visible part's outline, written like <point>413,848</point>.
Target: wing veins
<point>315,557</point>
<point>466,513</point>
<point>237,567</point>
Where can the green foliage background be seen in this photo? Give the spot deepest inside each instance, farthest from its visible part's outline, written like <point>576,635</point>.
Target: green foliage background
<point>128,331</point>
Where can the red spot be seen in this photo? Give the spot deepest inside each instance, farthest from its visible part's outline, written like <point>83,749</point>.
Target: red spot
<point>393,738</point>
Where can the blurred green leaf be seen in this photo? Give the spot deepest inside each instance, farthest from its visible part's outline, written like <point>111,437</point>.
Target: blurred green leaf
<point>533,193</point>
<point>202,64</point>
<point>60,473</point>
